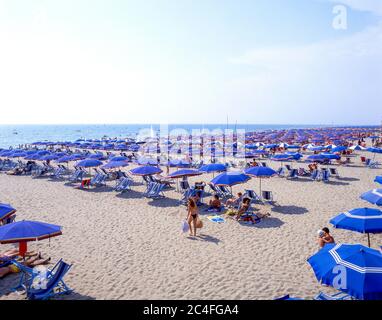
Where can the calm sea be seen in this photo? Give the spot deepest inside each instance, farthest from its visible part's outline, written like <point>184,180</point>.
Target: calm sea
<point>13,135</point>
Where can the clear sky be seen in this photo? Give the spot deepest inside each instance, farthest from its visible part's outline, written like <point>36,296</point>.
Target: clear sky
<point>190,61</point>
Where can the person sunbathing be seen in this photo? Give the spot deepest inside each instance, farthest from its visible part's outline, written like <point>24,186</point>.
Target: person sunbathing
<point>31,262</point>
<point>215,204</point>
<point>234,202</point>
<point>244,207</point>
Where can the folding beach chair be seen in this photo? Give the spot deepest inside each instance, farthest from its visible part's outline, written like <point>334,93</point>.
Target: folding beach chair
<point>325,175</point>
<point>373,164</point>
<point>337,296</point>
<point>184,186</point>
<point>267,196</point>
<point>334,172</point>
<point>293,174</point>
<point>281,171</point>
<point>315,176</point>
<point>224,191</point>
<point>156,191</point>
<point>55,284</point>
<point>252,195</point>
<point>149,188</point>
<point>302,172</point>
<point>289,167</point>
<point>123,185</point>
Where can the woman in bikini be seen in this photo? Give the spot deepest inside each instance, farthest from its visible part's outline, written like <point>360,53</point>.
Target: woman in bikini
<point>192,216</point>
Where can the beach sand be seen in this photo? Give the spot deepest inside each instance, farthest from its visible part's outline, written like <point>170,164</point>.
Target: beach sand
<point>130,247</point>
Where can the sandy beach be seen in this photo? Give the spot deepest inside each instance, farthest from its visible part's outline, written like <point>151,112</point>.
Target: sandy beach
<point>125,246</point>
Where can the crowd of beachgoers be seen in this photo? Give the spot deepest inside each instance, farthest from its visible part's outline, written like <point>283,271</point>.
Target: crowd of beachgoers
<point>198,187</point>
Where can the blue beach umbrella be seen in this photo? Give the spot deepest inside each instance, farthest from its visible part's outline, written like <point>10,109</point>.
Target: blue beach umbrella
<point>24,231</point>
<point>363,220</point>
<point>115,164</point>
<point>97,156</point>
<point>230,178</point>
<point>89,163</point>
<point>339,149</point>
<point>260,172</point>
<point>119,158</point>
<point>48,157</point>
<point>378,179</point>
<point>184,173</point>
<point>281,157</point>
<point>361,266</point>
<point>6,210</point>
<point>316,158</point>
<point>373,196</point>
<point>145,171</point>
<point>213,167</point>
<point>330,156</point>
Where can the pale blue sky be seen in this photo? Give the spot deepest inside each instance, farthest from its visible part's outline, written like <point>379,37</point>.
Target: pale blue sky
<point>190,61</point>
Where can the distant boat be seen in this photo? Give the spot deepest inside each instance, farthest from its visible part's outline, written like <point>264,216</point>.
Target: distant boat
<point>15,132</point>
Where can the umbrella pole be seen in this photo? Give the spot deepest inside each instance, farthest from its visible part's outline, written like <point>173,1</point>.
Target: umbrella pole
<point>260,188</point>
<point>368,239</point>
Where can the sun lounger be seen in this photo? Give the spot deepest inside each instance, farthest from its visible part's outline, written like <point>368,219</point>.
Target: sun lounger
<point>267,196</point>
<point>55,284</point>
<point>77,175</point>
<point>337,296</point>
<point>123,185</point>
<point>293,174</point>
<point>281,172</point>
<point>315,176</point>
<point>334,172</point>
<point>156,191</point>
<point>302,172</point>
<point>225,192</point>
<point>325,175</point>
<point>252,195</point>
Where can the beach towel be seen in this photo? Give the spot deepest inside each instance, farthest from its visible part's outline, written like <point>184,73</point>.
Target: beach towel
<point>216,219</point>
<point>185,226</point>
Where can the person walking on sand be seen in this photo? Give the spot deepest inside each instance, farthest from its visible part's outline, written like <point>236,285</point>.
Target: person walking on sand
<point>192,216</point>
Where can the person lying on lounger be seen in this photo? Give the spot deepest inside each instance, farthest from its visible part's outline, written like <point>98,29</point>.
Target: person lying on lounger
<point>215,204</point>
<point>31,261</point>
<point>234,202</point>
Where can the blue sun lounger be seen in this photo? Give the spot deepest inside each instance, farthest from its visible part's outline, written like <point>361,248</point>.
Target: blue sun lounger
<point>293,174</point>
<point>325,176</point>
<point>337,296</point>
<point>156,191</point>
<point>55,285</point>
<point>123,185</point>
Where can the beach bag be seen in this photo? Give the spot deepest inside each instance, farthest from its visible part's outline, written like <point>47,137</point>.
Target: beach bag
<point>185,226</point>
<point>199,223</point>
<point>231,212</point>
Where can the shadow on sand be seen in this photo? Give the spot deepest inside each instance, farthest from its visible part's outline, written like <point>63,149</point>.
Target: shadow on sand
<point>292,209</point>
<point>204,237</point>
